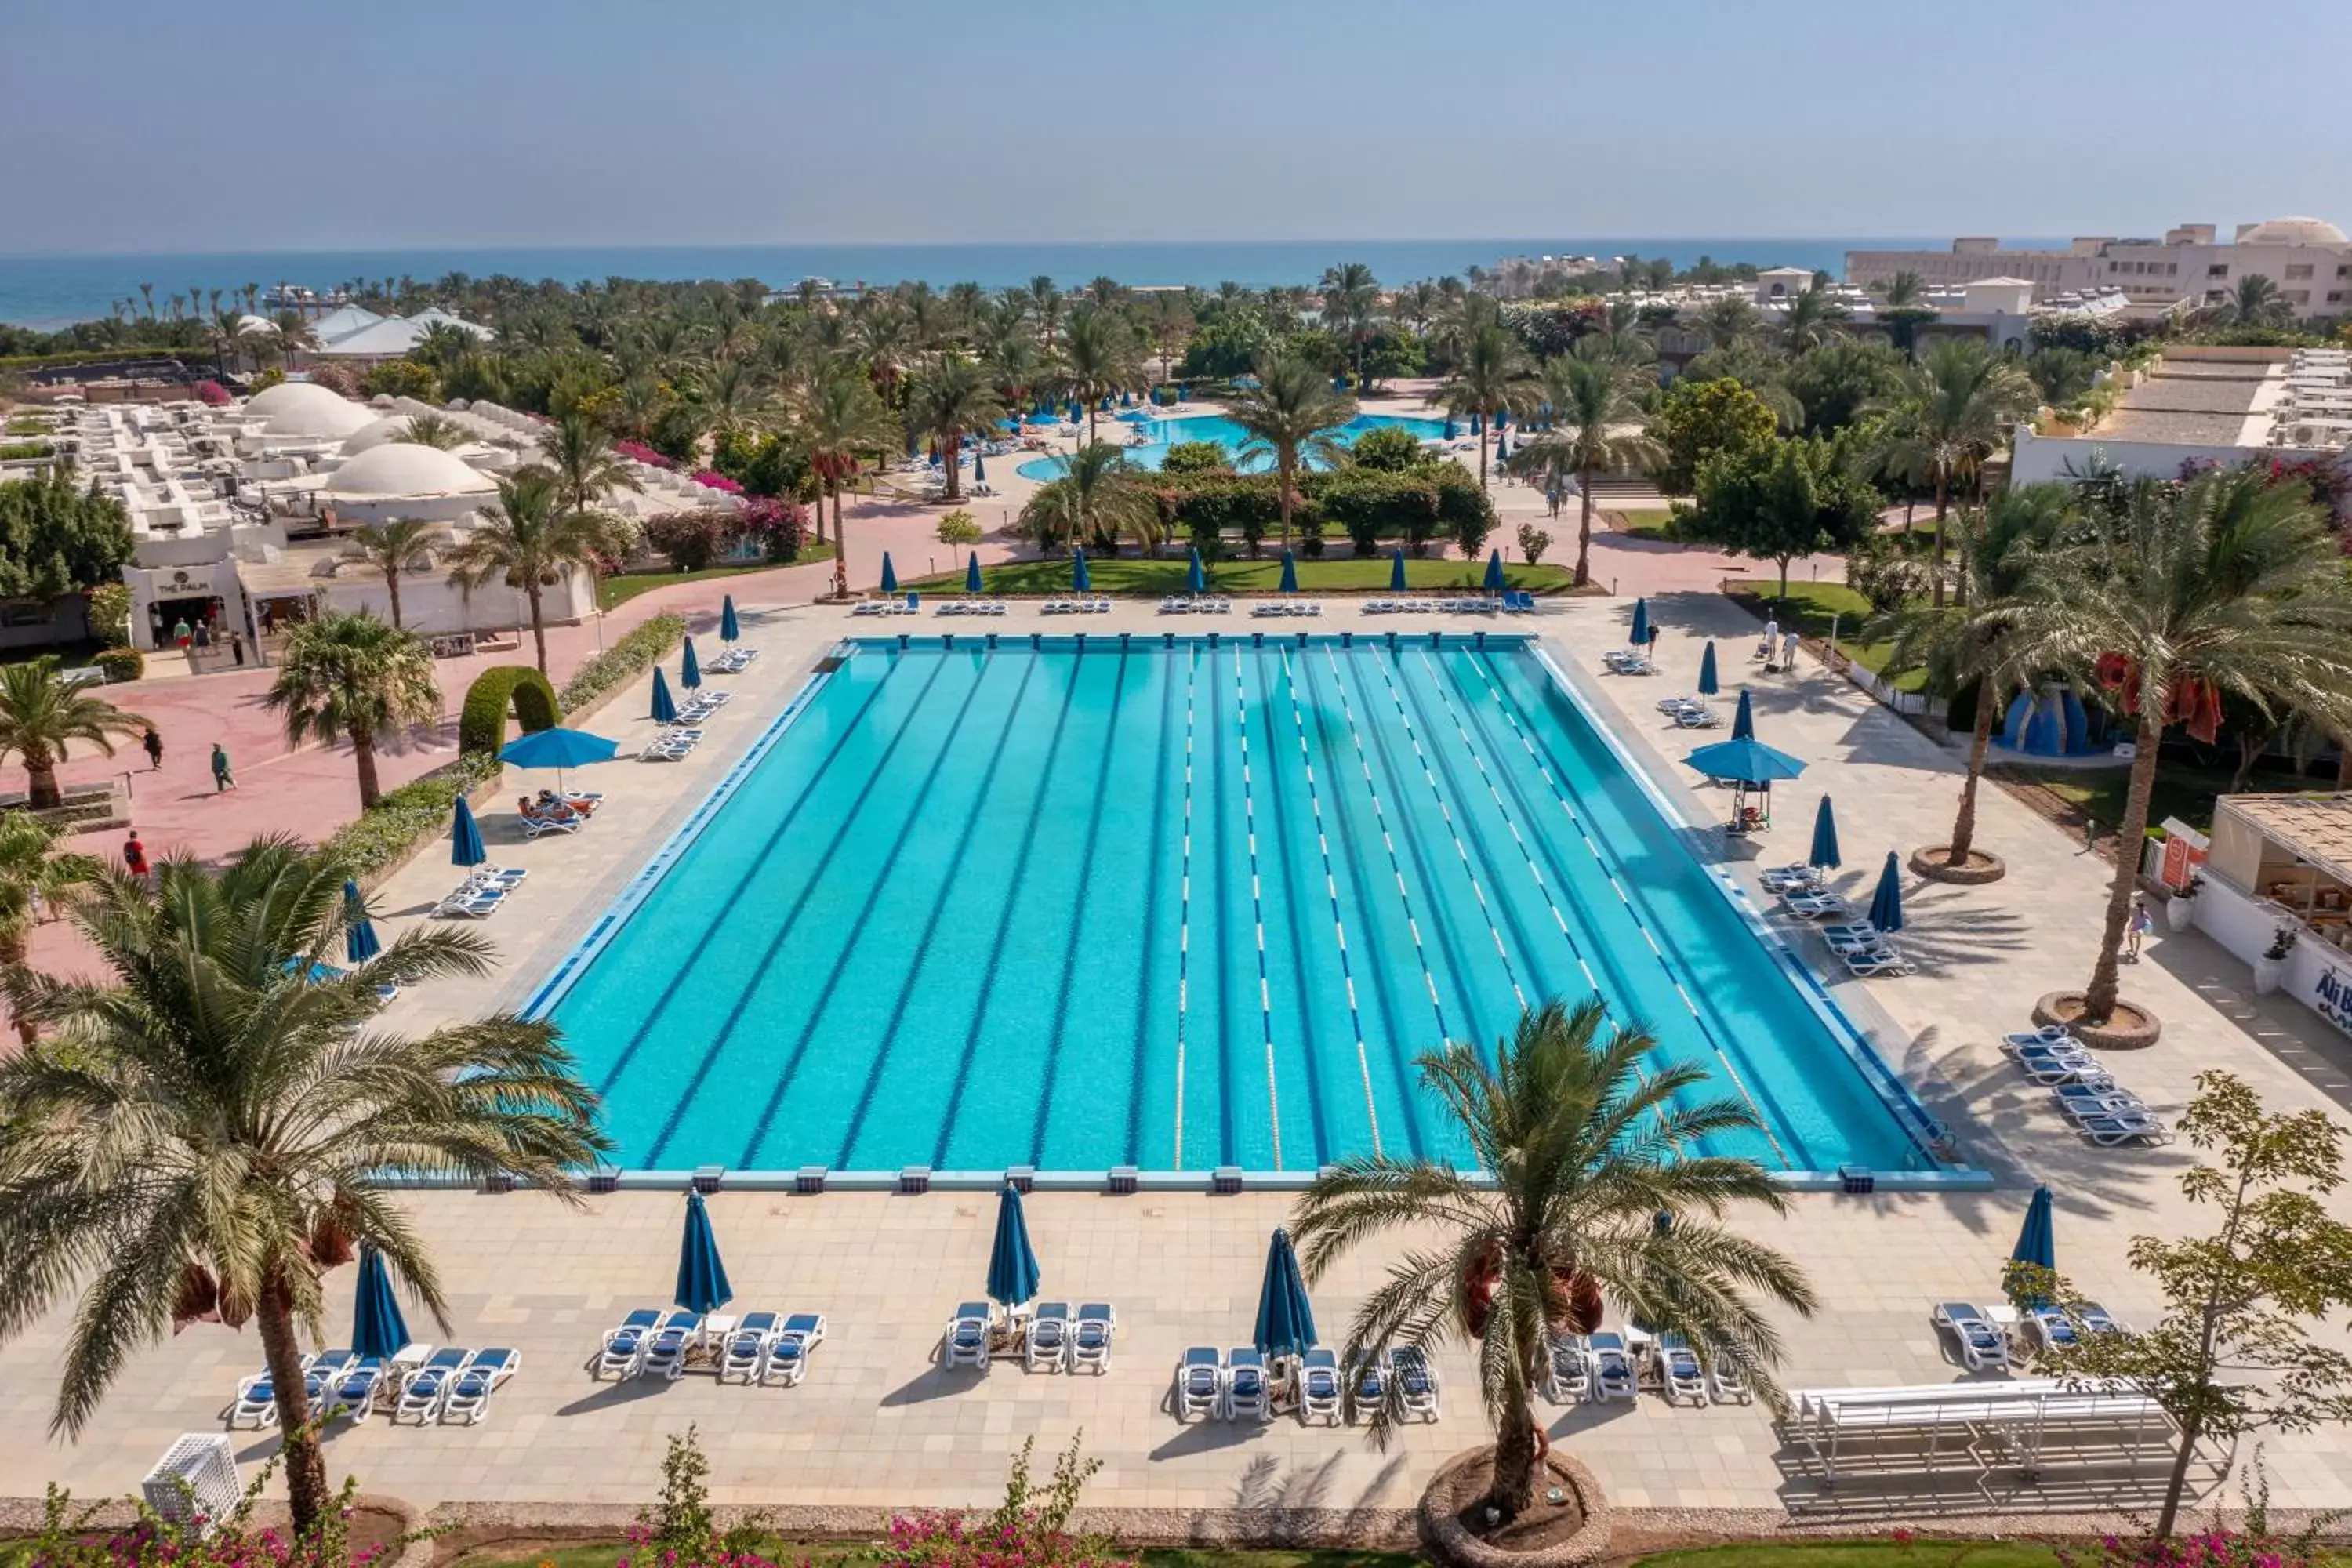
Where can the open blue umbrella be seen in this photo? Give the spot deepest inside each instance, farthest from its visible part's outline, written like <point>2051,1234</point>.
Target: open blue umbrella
<point>377,1328</point>
<point>1886,904</point>
<point>2037,1240</point>
<point>664,709</point>
<point>465,836</point>
<point>1495,583</point>
<point>971,574</point>
<point>1640,623</point>
<point>1285,1318</point>
<point>702,1287</point>
<point>889,574</point>
<point>1743,723</point>
<point>1708,683</point>
<point>1289,583</point>
<point>1824,857</point>
<point>1748,761</point>
<point>979,468</point>
<point>1196,577</point>
<point>1081,581</point>
<point>1013,1274</point>
<point>558,749</point>
<point>1396,570</point>
<point>729,629</point>
<point>360,942</point>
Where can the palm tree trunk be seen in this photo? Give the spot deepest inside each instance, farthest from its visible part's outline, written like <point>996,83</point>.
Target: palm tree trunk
<point>392,586</point>
<point>1964,826</point>
<point>1514,1489</point>
<point>1943,504</point>
<point>2099,999</point>
<point>951,459</point>
<point>364,756</point>
<point>1585,532</point>
<point>41,775</point>
<point>538,628</point>
<point>2344,762</point>
<point>840,551</point>
<point>1284,475</point>
<point>306,1465</point>
<point>1482,455</point>
<point>12,959</point>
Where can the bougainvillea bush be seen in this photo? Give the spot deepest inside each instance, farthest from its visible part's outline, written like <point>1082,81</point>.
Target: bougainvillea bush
<point>69,1538</point>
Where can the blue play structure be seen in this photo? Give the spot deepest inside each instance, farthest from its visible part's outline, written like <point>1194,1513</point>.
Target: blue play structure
<point>2049,724</point>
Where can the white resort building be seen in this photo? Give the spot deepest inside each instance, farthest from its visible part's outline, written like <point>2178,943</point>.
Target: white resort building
<point>2308,259</point>
<point>2207,404</point>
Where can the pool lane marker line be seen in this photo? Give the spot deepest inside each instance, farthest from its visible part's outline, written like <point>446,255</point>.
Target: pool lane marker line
<point>1632,911</point>
<point>1257,900</point>
<point>1184,907</point>
<point>1388,842</point>
<point>1331,890</point>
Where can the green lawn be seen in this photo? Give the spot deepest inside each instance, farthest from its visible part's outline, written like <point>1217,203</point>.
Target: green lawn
<point>1653,522</point>
<point>1154,579</point>
<point>1813,608</point>
<point>2182,789</point>
<point>1860,1555</point>
<point>621,587</point>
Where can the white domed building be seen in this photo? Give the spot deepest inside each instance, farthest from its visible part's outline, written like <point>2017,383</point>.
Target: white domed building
<point>295,411</point>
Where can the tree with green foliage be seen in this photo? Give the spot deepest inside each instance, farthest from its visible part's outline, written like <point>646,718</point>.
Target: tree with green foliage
<point>347,676</point>
<point>1953,410</point>
<point>1290,415</point>
<point>959,530</point>
<point>1842,380</point>
<point>1097,360</point>
<point>951,400</point>
<point>1701,420</point>
<point>579,456</point>
<point>1733,319</point>
<point>41,714</point>
<point>1593,1192</point>
<point>1392,450</point>
<point>1794,497</point>
<point>33,879</point>
<point>528,540</point>
<point>2233,1353</point>
<point>1597,427</point>
<point>392,550</point>
<point>1094,497</point>
<point>1493,375</point>
<point>840,421</point>
<point>1351,303</point>
<point>57,539</point>
<point>1195,458</point>
<point>209,1126</point>
<point>1810,318</point>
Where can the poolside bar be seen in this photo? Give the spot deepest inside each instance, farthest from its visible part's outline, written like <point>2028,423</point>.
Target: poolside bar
<point>2279,869</point>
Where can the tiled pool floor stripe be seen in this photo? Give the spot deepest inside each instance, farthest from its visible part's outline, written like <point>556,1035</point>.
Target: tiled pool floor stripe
<point>1184,911</point>
<point>683,975</point>
<point>919,955</point>
<point>742,1000</point>
<point>1146,992</point>
<point>1258,903</point>
<point>1301,962</point>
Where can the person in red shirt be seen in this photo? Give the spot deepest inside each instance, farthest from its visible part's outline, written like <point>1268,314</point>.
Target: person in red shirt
<point>134,855</point>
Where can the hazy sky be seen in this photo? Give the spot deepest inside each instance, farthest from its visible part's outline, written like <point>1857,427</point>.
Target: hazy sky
<point>172,125</point>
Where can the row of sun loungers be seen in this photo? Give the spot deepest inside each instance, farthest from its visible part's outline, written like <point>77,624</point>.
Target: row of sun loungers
<point>730,661</point>
<point>1689,712</point>
<point>1866,950</point>
<point>1194,605</point>
<point>1050,1338</point>
<point>1510,602</point>
<point>766,1349</point>
<point>1089,605</point>
<point>677,742</point>
<point>1629,661</point>
<point>451,1385</point>
<point>1984,1344</point>
<point>2087,1094</point>
<point>1285,607</point>
<point>911,605</point>
<point>1238,1385</point>
<point>480,894</point>
<point>972,606</point>
<point>1602,1367</point>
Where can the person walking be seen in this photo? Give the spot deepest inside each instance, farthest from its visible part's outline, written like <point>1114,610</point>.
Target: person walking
<point>223,779</point>
<point>134,855</point>
<point>180,632</point>
<point>1788,641</point>
<point>153,744</point>
<point>2141,923</point>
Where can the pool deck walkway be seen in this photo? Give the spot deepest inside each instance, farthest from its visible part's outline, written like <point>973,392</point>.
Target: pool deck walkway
<point>877,1423</point>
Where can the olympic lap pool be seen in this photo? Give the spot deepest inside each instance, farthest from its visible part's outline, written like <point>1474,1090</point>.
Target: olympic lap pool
<point>1175,907</point>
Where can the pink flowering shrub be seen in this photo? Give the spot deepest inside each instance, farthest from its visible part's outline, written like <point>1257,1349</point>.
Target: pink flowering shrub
<point>68,1538</point>
<point>780,526</point>
<point>2217,1546</point>
<point>213,395</point>
<point>642,454</point>
<point>717,481</point>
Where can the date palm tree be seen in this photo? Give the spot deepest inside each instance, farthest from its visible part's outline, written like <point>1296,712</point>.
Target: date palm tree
<point>1808,319</point>
<point>347,676</point>
<point>1904,291</point>
<point>1953,410</point>
<point>1352,300</point>
<point>293,336</point>
<point>2225,590</point>
<point>579,457</point>
<point>1600,1195</point>
<point>950,400</point>
<point>1597,428</point>
<point>391,548</point>
<point>1290,415</point>
<point>436,430</point>
<point>32,878</point>
<point>1093,500</point>
<point>529,541</point>
<point>1492,374</point>
<point>2255,301</point>
<point>733,393</point>
<point>209,1127</point>
<point>41,714</point>
<point>840,421</point>
<point>1097,360</point>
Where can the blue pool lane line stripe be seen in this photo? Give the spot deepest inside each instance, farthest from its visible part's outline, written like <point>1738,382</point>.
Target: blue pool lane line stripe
<point>1184,910</point>
<point>1331,892</point>
<point>1258,902</point>
<point>1137,1075</point>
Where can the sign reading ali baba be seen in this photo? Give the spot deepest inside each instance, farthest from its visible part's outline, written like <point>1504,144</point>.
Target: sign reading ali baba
<point>2331,997</point>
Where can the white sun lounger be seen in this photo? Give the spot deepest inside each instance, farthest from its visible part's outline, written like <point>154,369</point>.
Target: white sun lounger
<point>353,1393</point>
<point>2051,1329</point>
<point>1368,1386</point>
<point>1569,1378</point>
<point>2129,1127</point>
<point>1047,1346</point>
<point>1413,1383</point>
<point>1248,1395</point>
<point>668,1347</point>
<point>1318,1387</point>
<point>624,1348</point>
<point>965,1340</point>
<point>1200,1385</point>
<point>1981,1345</point>
<point>1680,1376</point>
<point>743,1354</point>
<point>789,1352</point>
<point>257,1398</point>
<point>1724,1380</point>
<point>1612,1365</point>
<point>468,1399</point>
<point>1091,1337</point>
<point>422,1392</point>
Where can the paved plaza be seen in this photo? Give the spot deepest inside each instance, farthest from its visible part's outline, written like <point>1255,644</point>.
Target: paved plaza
<point>878,1423</point>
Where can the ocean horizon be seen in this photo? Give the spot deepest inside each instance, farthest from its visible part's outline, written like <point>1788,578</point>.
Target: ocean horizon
<point>51,290</point>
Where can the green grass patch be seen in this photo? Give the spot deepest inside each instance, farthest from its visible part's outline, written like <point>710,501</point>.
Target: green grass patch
<point>1859,1554</point>
<point>623,586</point>
<point>1814,609</point>
<point>1652,522</point>
<point>2182,789</point>
<point>1156,579</point>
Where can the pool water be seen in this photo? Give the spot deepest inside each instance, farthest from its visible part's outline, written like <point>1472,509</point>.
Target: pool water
<point>1160,433</point>
<point>1173,907</point>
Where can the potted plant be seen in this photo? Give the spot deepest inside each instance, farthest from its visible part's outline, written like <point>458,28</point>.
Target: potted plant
<point>2270,967</point>
<point>2179,911</point>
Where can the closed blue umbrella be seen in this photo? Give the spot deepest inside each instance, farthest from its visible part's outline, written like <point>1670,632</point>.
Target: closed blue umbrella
<point>2037,1240</point>
<point>978,467</point>
<point>360,942</point>
<point>1502,419</point>
<point>1396,570</point>
<point>377,1328</point>
<point>971,574</point>
<point>1452,430</point>
<point>1494,571</point>
<point>1743,723</point>
<point>1196,578</point>
<point>1502,447</point>
<point>1289,583</point>
<point>689,669</point>
<point>889,574</point>
<point>1640,623</point>
<point>729,629</point>
<point>665,709</point>
<point>466,837</point>
<point>1886,904</point>
<point>1748,761</point>
<point>1081,581</point>
<point>1708,683</point>
<point>1013,1274</point>
<point>1824,857</point>
<point>702,1287</point>
<point>1285,1318</point>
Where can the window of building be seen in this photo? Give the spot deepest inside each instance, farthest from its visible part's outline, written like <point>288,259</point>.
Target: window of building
<point>2298,269</point>
<point>2219,269</point>
<point>2335,296</point>
<point>25,612</point>
<point>2298,296</point>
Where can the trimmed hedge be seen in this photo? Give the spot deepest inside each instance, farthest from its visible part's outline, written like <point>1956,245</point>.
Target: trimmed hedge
<point>121,663</point>
<point>1440,500</point>
<point>387,831</point>
<point>624,660</point>
<point>482,721</point>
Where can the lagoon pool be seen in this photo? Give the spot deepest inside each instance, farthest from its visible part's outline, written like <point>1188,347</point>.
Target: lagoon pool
<point>1173,905</point>
<point>1160,433</point>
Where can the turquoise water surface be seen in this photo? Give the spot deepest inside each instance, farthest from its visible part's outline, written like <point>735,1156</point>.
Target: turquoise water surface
<point>1159,433</point>
<point>1175,907</point>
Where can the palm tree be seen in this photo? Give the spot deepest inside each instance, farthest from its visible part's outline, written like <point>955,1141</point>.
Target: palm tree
<point>1904,291</point>
<point>1097,360</point>
<point>840,422</point>
<point>1289,416</point>
<point>211,1128</point>
<point>579,458</point>
<point>734,394</point>
<point>40,714</point>
<point>1597,428</point>
<point>2254,302</point>
<point>1094,499</point>
<point>31,879</point>
<point>951,400</point>
<point>294,334</point>
<point>1351,298</point>
<point>1170,319</point>
<point>389,549</point>
<point>2226,588</point>
<point>1953,411</point>
<point>348,676</point>
<point>1621,335</point>
<point>530,539</point>
<point>1599,1193</point>
<point>1492,375</point>
<point>1808,319</point>
<point>436,430</point>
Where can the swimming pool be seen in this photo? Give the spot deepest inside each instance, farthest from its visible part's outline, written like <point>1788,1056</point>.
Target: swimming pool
<point>1171,905</point>
<point>1159,433</point>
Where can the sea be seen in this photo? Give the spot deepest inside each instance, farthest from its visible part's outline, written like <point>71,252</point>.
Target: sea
<point>51,290</point>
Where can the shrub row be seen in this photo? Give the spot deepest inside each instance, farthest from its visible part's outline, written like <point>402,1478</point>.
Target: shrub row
<point>383,835</point>
<point>624,661</point>
<point>1368,505</point>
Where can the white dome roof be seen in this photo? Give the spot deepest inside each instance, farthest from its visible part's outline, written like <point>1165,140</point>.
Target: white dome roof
<point>256,324</point>
<point>405,468</point>
<point>299,408</point>
<point>375,433</point>
<point>2293,231</point>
